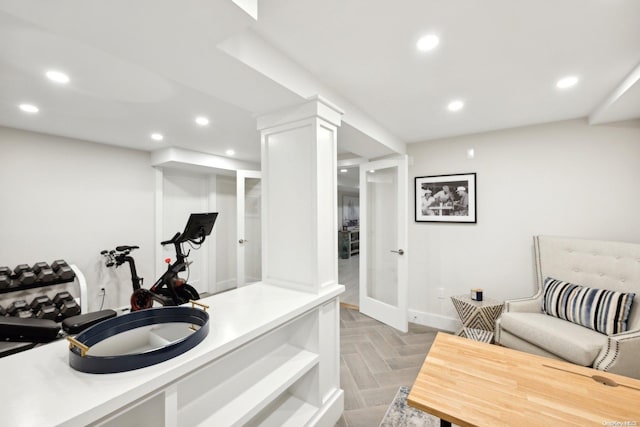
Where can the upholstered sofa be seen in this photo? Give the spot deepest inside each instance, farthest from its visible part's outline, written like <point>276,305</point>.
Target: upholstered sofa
<point>615,266</point>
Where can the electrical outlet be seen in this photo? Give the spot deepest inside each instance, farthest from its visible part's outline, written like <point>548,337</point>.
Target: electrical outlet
<point>440,293</point>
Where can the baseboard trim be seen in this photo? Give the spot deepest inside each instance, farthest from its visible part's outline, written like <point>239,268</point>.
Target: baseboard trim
<point>224,285</point>
<point>437,321</point>
<point>349,306</point>
<point>330,412</point>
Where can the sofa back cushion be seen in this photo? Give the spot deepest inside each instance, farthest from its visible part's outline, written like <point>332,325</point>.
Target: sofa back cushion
<point>592,263</point>
<point>601,310</point>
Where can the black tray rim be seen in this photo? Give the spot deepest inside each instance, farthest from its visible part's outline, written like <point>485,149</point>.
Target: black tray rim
<point>137,319</point>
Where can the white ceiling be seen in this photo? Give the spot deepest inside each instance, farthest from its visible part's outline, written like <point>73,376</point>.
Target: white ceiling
<point>145,66</point>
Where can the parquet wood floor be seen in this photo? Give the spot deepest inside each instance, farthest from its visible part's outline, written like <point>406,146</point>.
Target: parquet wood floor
<point>375,360</point>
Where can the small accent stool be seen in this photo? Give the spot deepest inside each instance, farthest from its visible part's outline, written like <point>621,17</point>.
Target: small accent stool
<point>478,317</point>
<point>477,335</point>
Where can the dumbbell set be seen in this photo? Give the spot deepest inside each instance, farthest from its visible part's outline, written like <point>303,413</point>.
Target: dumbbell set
<point>39,274</point>
<point>61,307</point>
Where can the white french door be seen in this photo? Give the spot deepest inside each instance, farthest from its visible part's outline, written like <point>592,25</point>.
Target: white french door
<point>249,231</point>
<point>383,241</point>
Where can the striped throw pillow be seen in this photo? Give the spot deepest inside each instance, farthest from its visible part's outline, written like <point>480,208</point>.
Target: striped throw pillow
<point>598,309</point>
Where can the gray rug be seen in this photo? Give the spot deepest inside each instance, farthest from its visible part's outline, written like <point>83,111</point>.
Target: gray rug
<point>399,414</point>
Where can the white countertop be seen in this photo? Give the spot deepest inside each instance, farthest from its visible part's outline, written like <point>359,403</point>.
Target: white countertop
<point>39,388</point>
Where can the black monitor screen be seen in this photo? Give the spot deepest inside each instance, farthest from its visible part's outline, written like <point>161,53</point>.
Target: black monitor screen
<point>198,226</point>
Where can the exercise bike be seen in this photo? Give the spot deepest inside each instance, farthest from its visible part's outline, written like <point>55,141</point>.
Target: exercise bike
<point>169,289</point>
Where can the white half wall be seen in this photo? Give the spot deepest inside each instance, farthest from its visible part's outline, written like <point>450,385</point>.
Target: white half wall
<point>70,199</point>
<point>565,178</point>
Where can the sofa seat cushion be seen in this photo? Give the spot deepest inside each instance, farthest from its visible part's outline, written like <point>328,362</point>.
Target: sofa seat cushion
<point>567,340</point>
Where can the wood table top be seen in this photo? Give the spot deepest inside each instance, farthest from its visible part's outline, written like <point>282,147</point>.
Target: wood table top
<point>471,383</point>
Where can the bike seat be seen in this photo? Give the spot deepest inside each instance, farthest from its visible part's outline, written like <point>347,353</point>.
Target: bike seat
<point>126,248</point>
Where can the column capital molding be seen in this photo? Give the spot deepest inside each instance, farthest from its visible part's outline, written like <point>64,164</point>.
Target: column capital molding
<point>313,107</point>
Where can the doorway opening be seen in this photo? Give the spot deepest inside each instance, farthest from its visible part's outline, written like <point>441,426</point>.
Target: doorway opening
<point>349,236</point>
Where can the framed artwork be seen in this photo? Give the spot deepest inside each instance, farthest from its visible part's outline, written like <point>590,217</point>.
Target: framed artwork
<point>446,198</point>
<point>350,212</point>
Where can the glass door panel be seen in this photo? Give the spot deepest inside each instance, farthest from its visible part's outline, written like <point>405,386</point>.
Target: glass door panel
<point>249,228</point>
<point>383,238</point>
<point>382,235</point>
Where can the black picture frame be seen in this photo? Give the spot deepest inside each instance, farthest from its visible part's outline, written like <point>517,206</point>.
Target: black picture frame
<point>441,198</point>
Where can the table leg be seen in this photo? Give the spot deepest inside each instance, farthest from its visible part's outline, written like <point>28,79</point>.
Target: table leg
<point>444,423</point>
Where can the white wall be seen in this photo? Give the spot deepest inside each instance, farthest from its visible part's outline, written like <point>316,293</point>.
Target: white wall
<point>183,194</point>
<point>64,198</point>
<point>565,178</point>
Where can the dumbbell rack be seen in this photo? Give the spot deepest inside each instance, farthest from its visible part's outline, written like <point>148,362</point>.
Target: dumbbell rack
<point>9,347</point>
<point>38,284</point>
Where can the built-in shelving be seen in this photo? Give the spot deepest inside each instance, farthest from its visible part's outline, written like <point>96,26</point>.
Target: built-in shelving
<point>262,364</point>
<point>249,391</point>
<point>286,411</point>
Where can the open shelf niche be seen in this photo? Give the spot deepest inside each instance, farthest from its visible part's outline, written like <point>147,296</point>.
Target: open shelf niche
<point>269,366</point>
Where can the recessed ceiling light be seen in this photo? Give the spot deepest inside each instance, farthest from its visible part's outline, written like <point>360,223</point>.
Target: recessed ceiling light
<point>455,105</point>
<point>57,76</point>
<point>230,152</point>
<point>202,121</point>
<point>567,82</point>
<point>28,108</point>
<point>428,42</point>
<point>343,171</point>
<point>157,136</point>
<point>372,171</point>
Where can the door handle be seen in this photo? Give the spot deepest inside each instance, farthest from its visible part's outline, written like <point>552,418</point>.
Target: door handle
<point>399,251</point>
<point>241,241</point>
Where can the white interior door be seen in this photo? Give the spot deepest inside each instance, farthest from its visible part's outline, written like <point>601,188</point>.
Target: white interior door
<point>383,241</point>
<point>184,194</point>
<point>249,231</point>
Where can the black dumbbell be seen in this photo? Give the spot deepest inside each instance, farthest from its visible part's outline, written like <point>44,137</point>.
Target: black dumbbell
<point>24,274</point>
<point>17,306</point>
<point>68,309</point>
<point>5,281</point>
<point>43,272</point>
<point>5,271</point>
<point>61,297</point>
<point>46,275</point>
<point>48,311</point>
<point>20,268</point>
<point>58,263</point>
<point>66,273</point>
<point>39,266</point>
<point>24,314</point>
<point>62,269</point>
<point>26,278</point>
<point>38,302</point>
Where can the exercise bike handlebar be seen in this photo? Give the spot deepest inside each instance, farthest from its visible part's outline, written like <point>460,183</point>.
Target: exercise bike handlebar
<point>118,256</point>
<point>172,240</point>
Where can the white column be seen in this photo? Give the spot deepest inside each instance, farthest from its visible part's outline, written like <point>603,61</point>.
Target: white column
<point>299,203</point>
